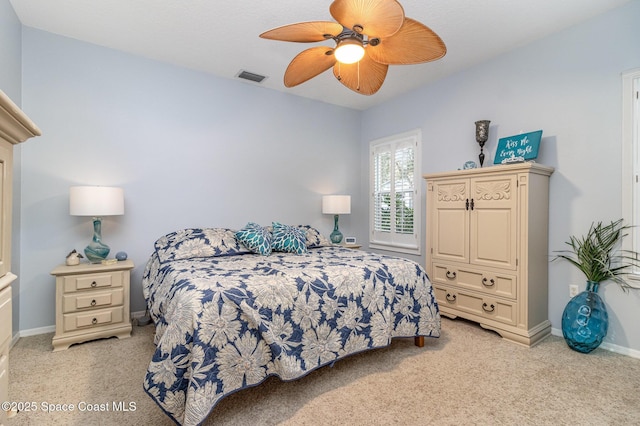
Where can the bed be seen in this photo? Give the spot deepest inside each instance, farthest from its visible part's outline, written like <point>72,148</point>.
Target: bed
<point>228,316</point>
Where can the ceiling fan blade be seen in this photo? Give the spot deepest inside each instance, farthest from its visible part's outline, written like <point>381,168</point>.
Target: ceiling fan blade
<point>364,77</point>
<point>379,18</point>
<point>414,43</point>
<point>308,64</point>
<point>304,32</point>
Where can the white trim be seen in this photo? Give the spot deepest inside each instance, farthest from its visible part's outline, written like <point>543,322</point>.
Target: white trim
<point>395,248</point>
<point>630,161</point>
<point>52,328</point>
<point>607,346</point>
<point>36,331</point>
<point>137,314</point>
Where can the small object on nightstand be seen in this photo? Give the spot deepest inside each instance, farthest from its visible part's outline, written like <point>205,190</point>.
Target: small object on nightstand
<point>109,261</point>
<point>121,255</point>
<point>73,258</point>
<point>349,240</point>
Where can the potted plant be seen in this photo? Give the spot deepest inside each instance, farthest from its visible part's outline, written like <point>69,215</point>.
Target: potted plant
<point>599,256</point>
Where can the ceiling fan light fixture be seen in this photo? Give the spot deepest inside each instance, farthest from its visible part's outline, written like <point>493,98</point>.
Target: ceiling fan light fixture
<point>349,50</point>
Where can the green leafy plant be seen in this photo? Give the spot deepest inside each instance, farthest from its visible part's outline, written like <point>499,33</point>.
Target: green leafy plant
<point>599,256</point>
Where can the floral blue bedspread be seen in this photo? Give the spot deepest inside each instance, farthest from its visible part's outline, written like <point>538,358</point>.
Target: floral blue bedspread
<point>224,323</point>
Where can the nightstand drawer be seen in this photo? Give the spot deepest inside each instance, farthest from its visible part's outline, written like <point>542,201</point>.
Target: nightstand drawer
<point>88,281</point>
<point>93,318</point>
<point>5,314</point>
<point>92,299</point>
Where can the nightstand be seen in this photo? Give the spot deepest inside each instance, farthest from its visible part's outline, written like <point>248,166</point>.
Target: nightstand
<point>92,302</point>
<point>352,246</point>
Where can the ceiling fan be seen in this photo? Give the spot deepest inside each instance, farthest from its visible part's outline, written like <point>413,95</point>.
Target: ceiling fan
<point>370,35</point>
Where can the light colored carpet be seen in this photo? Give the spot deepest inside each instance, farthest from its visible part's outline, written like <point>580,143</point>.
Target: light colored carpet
<point>468,376</point>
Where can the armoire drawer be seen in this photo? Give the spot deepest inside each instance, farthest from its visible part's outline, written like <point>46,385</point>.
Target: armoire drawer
<point>504,311</point>
<point>488,282</point>
<point>4,378</point>
<point>5,314</point>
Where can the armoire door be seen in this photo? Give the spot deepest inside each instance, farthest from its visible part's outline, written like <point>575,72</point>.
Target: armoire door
<point>494,222</point>
<point>450,215</point>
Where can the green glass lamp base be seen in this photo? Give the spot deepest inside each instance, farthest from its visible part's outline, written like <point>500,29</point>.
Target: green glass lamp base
<point>97,251</point>
<point>336,235</point>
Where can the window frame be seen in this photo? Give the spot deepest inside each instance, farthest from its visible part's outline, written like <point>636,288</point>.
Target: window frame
<point>397,242</point>
<point>631,162</point>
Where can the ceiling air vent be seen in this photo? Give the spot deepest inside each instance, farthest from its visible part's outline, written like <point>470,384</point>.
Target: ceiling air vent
<point>246,75</point>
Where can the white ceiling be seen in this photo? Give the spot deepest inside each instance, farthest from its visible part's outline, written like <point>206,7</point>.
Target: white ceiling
<point>221,36</point>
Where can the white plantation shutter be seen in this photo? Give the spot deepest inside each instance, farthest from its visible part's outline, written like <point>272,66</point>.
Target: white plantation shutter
<point>404,188</point>
<point>382,191</point>
<point>394,190</point>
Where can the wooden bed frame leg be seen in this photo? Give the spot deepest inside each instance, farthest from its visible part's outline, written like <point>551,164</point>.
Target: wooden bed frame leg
<point>419,341</point>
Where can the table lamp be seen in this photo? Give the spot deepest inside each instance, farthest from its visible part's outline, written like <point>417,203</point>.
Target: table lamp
<point>336,205</point>
<point>96,201</point>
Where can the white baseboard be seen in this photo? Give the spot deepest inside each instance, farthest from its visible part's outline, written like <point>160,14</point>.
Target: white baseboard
<point>36,331</point>
<point>52,328</point>
<point>607,346</point>
<point>137,314</point>
<point>31,332</point>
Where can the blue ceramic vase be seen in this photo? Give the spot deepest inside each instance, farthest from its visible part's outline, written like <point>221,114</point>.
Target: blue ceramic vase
<point>585,320</point>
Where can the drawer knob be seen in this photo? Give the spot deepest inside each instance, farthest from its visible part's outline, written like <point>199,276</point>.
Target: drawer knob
<point>94,284</point>
<point>93,302</point>
<point>451,297</point>
<point>94,321</point>
<point>485,306</point>
<point>451,275</point>
<point>491,282</point>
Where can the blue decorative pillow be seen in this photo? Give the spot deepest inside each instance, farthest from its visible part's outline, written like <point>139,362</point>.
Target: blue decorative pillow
<point>289,239</point>
<point>191,243</point>
<point>314,237</point>
<point>255,238</point>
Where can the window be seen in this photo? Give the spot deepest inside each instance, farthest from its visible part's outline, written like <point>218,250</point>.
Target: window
<point>395,181</point>
<point>631,158</point>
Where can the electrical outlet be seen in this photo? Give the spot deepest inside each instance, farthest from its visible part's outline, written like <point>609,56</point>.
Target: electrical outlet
<point>573,290</point>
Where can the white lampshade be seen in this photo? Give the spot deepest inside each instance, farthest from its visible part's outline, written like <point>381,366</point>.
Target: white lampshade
<point>96,201</point>
<point>336,204</point>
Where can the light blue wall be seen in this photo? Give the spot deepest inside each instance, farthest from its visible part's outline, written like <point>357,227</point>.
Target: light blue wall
<point>569,85</point>
<point>10,52</point>
<point>189,149</point>
<point>11,85</point>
